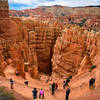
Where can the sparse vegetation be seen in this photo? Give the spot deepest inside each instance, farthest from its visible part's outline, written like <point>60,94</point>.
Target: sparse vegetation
<point>81,23</point>
<point>91,68</point>
<point>70,77</point>
<point>6,95</point>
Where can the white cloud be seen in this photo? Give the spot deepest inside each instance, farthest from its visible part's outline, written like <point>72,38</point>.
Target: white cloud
<point>27,2</point>
<point>71,3</point>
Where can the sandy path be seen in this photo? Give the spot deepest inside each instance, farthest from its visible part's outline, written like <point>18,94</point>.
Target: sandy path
<point>60,94</point>
<point>27,90</point>
<point>79,87</point>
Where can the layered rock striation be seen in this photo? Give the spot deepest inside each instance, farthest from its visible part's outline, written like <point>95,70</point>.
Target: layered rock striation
<point>30,48</point>
<point>75,51</point>
<point>42,40</point>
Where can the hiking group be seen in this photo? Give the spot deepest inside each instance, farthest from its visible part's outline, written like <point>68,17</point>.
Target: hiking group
<point>53,87</point>
<point>41,94</point>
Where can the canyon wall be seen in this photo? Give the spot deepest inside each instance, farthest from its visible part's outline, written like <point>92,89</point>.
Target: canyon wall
<point>43,41</point>
<point>29,47</point>
<point>11,48</point>
<point>12,43</point>
<point>75,51</point>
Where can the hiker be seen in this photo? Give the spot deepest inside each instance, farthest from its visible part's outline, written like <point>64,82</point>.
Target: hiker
<point>53,89</point>
<point>64,84</point>
<point>35,93</point>
<point>26,82</point>
<point>17,73</point>
<point>41,94</point>
<point>11,83</point>
<point>50,86</point>
<point>67,80</point>
<point>47,80</point>
<point>92,83</point>
<point>67,93</point>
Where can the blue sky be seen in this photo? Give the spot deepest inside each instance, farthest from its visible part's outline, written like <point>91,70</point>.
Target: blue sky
<point>26,4</point>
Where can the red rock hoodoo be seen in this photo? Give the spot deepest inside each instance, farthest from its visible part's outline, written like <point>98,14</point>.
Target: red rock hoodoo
<point>28,45</point>
<point>75,51</point>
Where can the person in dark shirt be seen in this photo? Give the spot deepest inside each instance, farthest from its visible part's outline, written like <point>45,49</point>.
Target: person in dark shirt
<point>26,82</point>
<point>11,83</point>
<point>34,93</point>
<point>65,83</point>
<point>67,93</point>
<point>92,83</point>
<point>67,80</point>
<point>53,89</point>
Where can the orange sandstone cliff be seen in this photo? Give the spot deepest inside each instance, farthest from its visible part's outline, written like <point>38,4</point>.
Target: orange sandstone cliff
<point>75,51</point>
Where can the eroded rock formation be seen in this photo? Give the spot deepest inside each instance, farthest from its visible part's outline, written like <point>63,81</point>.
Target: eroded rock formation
<point>42,41</point>
<point>30,48</point>
<point>74,51</point>
<point>11,46</point>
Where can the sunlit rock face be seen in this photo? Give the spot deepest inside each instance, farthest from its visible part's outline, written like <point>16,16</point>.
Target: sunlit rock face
<point>42,40</point>
<point>11,46</point>
<point>29,46</point>
<point>4,20</point>
<point>29,51</point>
<point>74,52</point>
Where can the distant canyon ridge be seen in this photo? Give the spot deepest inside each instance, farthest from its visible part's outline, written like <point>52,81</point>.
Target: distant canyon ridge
<point>57,10</point>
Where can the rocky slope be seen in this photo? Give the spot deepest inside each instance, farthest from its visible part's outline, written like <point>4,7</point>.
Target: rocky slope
<point>88,17</point>
<point>10,50</point>
<point>65,11</point>
<point>29,12</point>
<point>75,52</point>
<point>28,45</point>
<point>43,42</point>
<point>31,48</point>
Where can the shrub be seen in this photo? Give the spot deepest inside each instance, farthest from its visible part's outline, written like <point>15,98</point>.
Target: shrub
<point>91,68</point>
<point>70,77</point>
<point>5,95</point>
